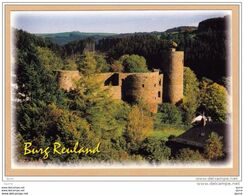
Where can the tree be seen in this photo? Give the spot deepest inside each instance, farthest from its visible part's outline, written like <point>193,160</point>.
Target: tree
<point>91,117</point>
<point>106,117</point>
<point>49,59</point>
<point>44,124</point>
<point>226,82</point>
<point>191,95</point>
<point>207,52</point>
<point>117,66</point>
<point>168,114</point>
<point>154,150</point>
<point>146,45</point>
<point>70,63</point>
<point>35,81</point>
<point>139,125</point>
<point>91,62</point>
<point>213,100</point>
<point>133,63</point>
<point>87,64</point>
<point>102,65</point>
<point>214,147</point>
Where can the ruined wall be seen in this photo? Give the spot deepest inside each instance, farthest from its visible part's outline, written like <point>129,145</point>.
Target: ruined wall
<point>67,78</point>
<point>110,81</point>
<point>108,78</point>
<point>129,87</point>
<point>173,77</point>
<point>114,92</point>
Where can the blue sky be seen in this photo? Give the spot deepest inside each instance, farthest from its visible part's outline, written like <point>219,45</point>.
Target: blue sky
<point>108,21</point>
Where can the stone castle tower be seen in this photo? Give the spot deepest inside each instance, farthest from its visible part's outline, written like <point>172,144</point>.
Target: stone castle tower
<point>173,69</point>
<point>151,87</point>
<point>144,86</point>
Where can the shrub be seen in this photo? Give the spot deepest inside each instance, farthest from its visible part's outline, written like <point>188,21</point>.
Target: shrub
<point>154,150</point>
<point>168,114</point>
<point>188,155</point>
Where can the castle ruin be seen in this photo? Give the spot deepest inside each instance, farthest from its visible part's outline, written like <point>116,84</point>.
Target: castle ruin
<point>154,88</point>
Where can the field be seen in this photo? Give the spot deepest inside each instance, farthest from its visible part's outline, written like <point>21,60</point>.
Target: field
<point>164,131</point>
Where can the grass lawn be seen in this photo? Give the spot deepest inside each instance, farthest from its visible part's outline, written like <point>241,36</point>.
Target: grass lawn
<point>164,131</point>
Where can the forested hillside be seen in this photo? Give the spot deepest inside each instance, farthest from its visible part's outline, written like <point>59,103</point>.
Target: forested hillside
<point>66,37</point>
<point>206,47</point>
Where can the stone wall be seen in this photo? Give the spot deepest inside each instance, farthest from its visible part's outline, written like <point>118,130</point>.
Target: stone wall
<point>129,87</point>
<point>151,87</point>
<point>114,92</point>
<point>134,86</point>
<point>67,78</point>
<point>110,81</point>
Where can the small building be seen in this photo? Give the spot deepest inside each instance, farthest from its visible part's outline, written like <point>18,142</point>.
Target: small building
<point>195,138</point>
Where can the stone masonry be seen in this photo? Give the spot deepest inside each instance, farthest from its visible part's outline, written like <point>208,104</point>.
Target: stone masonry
<point>151,87</point>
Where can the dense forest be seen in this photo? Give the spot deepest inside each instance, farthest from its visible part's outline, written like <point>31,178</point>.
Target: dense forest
<point>205,47</point>
<point>87,114</point>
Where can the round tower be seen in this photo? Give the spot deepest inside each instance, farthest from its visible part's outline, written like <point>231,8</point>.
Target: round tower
<point>174,76</point>
<point>145,87</point>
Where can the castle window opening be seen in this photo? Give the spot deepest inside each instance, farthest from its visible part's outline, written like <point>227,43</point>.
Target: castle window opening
<point>159,94</point>
<point>113,80</point>
<point>154,85</point>
<point>159,82</point>
<point>142,85</point>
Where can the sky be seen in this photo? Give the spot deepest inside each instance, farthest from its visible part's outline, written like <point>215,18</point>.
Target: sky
<point>108,21</point>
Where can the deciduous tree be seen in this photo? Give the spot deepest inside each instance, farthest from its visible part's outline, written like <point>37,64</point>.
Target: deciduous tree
<point>191,95</point>
<point>133,63</point>
<point>139,125</point>
<point>213,100</point>
<point>214,147</point>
